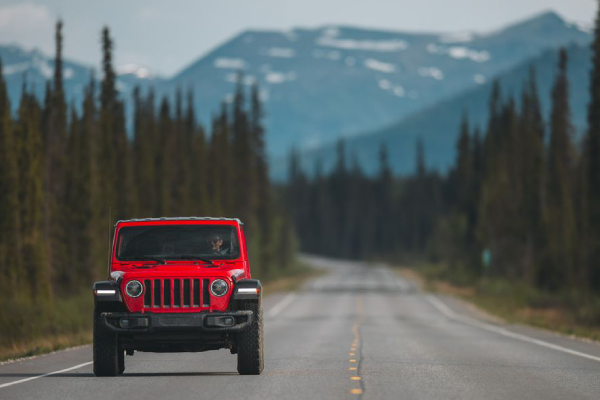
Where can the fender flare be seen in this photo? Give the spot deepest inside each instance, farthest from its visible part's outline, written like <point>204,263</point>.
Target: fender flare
<point>247,289</point>
<point>106,294</point>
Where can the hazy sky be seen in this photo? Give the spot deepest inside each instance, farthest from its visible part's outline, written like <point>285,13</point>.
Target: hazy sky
<point>167,35</point>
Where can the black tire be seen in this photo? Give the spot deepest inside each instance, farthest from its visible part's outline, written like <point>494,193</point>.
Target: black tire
<point>106,349</point>
<point>250,342</point>
<point>121,355</point>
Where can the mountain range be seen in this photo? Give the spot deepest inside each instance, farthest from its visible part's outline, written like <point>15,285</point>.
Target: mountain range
<point>322,84</point>
<point>437,126</point>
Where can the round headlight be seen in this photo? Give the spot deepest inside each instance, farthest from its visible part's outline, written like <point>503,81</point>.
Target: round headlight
<point>134,289</point>
<point>219,287</point>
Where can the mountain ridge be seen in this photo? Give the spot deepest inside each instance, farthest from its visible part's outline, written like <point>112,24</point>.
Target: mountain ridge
<point>320,84</point>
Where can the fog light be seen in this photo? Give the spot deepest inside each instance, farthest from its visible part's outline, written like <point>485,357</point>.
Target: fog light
<point>124,323</point>
<point>228,321</point>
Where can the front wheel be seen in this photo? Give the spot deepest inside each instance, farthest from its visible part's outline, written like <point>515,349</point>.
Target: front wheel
<point>106,350</point>
<point>250,342</point>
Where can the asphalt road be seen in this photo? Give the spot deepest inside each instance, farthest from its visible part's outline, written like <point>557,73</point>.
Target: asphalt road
<point>358,332</point>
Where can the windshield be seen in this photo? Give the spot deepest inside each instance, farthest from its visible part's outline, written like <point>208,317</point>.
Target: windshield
<point>178,242</point>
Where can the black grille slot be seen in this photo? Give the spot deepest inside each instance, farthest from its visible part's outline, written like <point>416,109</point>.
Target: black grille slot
<point>147,294</point>
<point>186,293</point>
<point>156,293</point>
<point>177,293</point>
<point>167,292</point>
<point>205,293</point>
<point>196,292</point>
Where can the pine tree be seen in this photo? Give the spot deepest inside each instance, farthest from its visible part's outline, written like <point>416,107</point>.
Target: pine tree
<point>165,166</point>
<point>560,218</point>
<point>55,146</point>
<point>144,152</point>
<point>10,227</point>
<point>264,201</point>
<point>592,167</point>
<point>77,198</point>
<point>531,162</point>
<point>31,196</point>
<point>244,195</point>
<point>181,180</point>
<point>198,159</point>
<point>105,191</point>
<point>464,166</point>
<point>385,221</point>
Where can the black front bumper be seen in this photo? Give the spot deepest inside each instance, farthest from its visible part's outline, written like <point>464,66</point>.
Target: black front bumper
<point>233,321</point>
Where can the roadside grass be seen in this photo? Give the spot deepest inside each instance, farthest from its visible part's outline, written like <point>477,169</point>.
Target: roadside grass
<point>569,313</point>
<point>29,327</point>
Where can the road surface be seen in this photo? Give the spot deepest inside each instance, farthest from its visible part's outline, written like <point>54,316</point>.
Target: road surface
<point>359,332</point>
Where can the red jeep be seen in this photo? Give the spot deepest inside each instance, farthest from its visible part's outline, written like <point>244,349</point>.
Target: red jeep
<point>178,284</point>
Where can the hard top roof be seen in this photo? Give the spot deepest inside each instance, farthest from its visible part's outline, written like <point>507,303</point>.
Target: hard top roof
<point>182,219</point>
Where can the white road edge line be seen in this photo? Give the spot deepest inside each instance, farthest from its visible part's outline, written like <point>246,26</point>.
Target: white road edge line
<point>41,376</point>
<point>283,303</point>
<point>449,313</point>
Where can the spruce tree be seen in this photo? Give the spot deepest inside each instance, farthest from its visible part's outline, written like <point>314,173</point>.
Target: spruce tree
<point>55,158</point>
<point>592,166</point>
<point>531,161</point>
<point>198,159</point>
<point>384,190</point>
<point>244,189</point>
<point>560,218</point>
<point>10,227</point>
<point>264,201</point>
<point>31,197</point>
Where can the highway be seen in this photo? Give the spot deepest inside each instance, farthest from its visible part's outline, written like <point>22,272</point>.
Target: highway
<point>359,331</point>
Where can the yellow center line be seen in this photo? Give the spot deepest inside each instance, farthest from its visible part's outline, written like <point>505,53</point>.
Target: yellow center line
<point>355,344</point>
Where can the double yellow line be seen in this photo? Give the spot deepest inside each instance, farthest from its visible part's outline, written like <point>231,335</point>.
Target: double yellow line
<point>355,352</point>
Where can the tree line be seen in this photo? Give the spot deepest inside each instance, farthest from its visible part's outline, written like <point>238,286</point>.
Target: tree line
<point>522,201</point>
<point>66,176</point>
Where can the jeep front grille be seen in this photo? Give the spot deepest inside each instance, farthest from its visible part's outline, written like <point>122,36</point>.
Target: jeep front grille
<point>176,293</point>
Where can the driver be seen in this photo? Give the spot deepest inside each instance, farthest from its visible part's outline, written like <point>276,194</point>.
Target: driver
<point>215,242</point>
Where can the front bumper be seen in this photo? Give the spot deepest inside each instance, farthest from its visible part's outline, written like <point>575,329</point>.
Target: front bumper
<point>233,321</point>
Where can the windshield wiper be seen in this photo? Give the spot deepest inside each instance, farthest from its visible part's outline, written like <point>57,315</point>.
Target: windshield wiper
<point>193,257</point>
<point>145,258</point>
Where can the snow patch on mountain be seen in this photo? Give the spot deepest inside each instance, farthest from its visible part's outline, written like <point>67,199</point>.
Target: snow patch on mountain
<point>479,79</point>
<point>396,90</point>
<point>274,77</point>
<point>229,63</point>
<point>399,91</point>
<point>15,68</point>
<point>365,45</point>
<point>385,84</point>
<point>68,73</point>
<point>280,52</point>
<point>459,52</point>
<point>431,72</point>
<point>232,77</point>
<point>380,66</point>
<point>134,69</point>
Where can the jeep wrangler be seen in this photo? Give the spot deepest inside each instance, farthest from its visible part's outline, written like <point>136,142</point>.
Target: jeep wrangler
<point>178,285</point>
